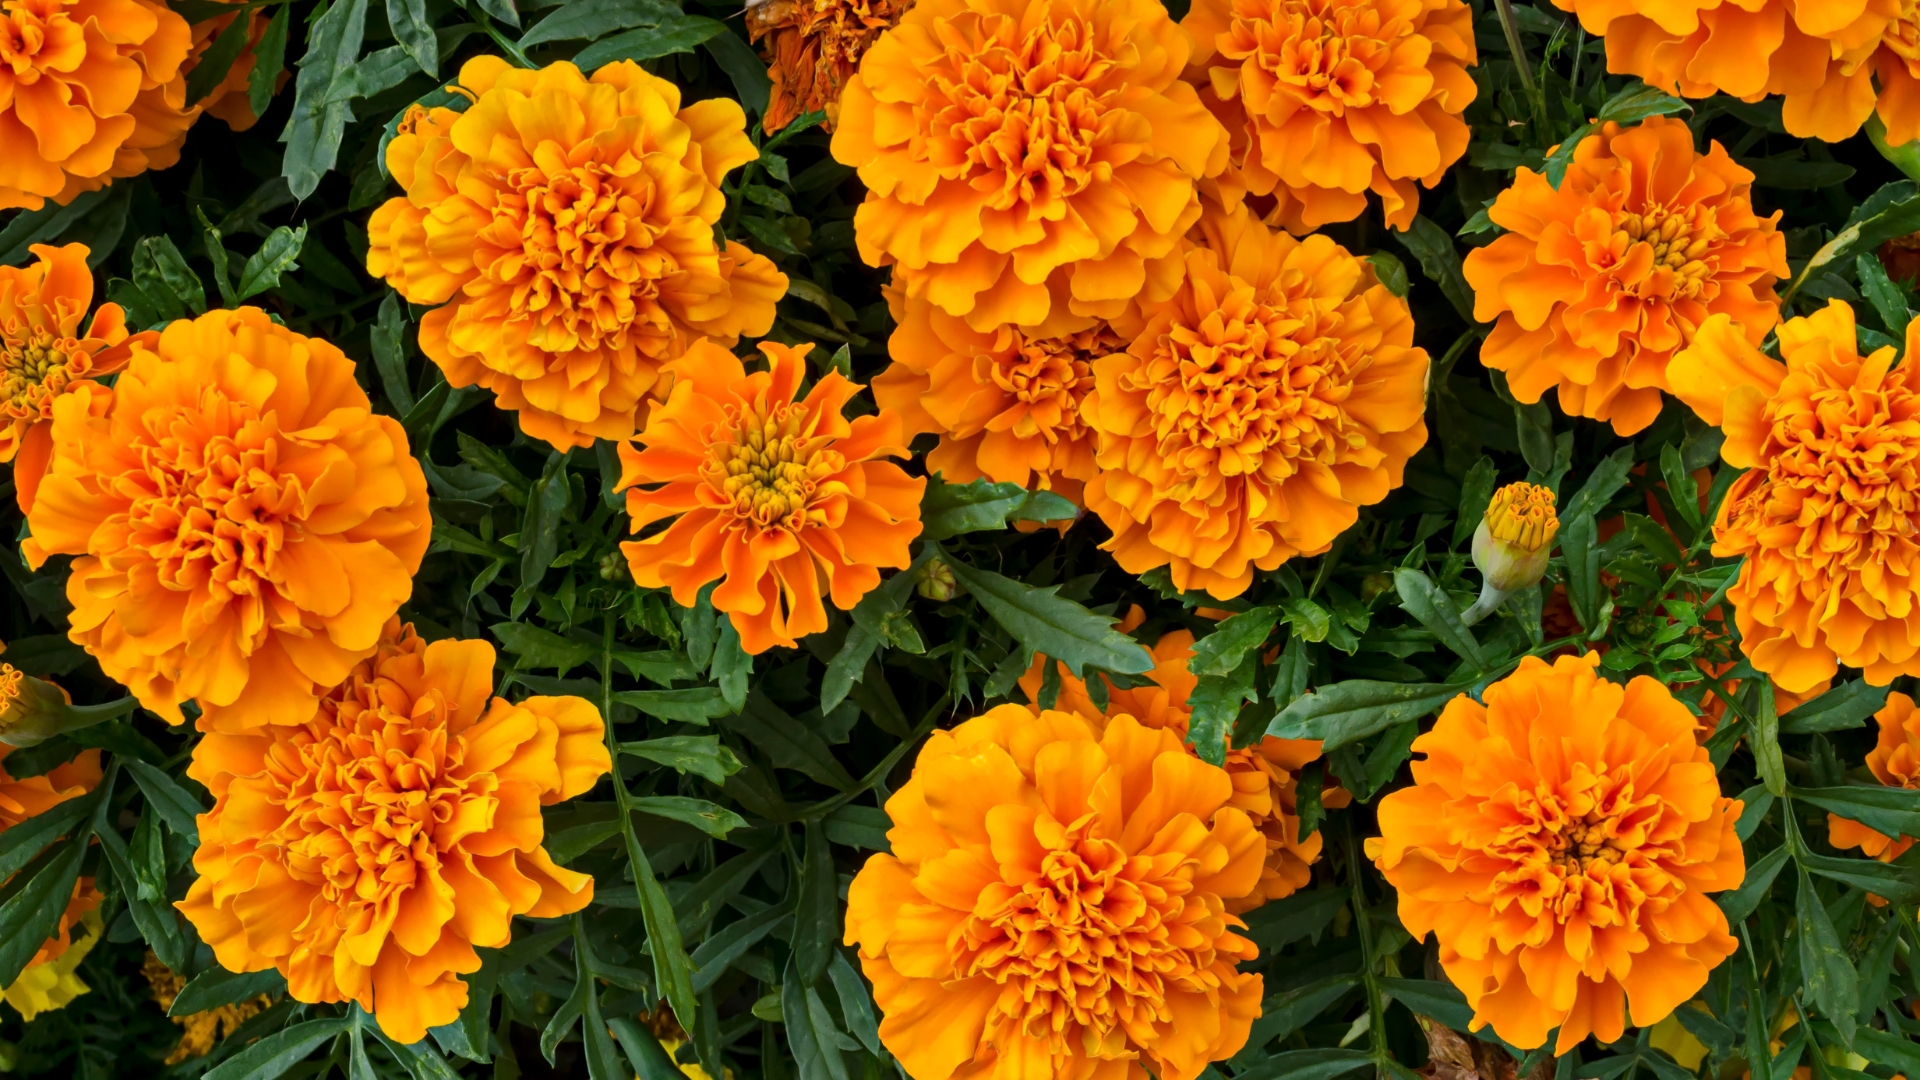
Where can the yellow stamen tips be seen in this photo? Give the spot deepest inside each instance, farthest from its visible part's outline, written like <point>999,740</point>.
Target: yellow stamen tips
<point>1512,544</point>
<point>1523,516</point>
<point>10,680</point>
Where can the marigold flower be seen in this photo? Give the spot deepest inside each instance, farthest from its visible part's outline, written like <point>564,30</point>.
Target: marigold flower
<point>1515,536</point>
<point>84,88</point>
<point>1828,511</point>
<point>1327,100</point>
<point>1026,160</point>
<point>1005,403</point>
<point>43,351</point>
<point>1265,776</point>
<point>406,766</point>
<point>1031,922</point>
<point>566,225</point>
<point>1598,284</point>
<point>1560,841</point>
<point>202,1030</point>
<point>244,524</point>
<point>1895,762</point>
<point>1274,395</point>
<point>49,980</point>
<point>813,48</point>
<point>778,497</point>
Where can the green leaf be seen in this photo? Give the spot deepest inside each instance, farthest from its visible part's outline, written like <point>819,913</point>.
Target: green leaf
<point>732,667</point>
<point>164,277</point>
<point>856,1003</point>
<point>1435,610</point>
<point>32,915</point>
<point>1887,1048</point>
<point>1830,978</point>
<point>1896,882</point>
<point>709,817</point>
<point>45,225</point>
<point>816,917</point>
<point>744,66</point>
<point>420,1059</point>
<point>1284,1013</point>
<point>1440,262</point>
<point>1887,300</point>
<point>269,61</point>
<point>677,34</point>
<point>179,809</point>
<point>694,705</point>
<point>1321,1064</point>
<point>649,1059</point>
<point>1892,211</point>
<point>1216,702</point>
<point>952,509</point>
<point>24,842</point>
<point>603,1060</point>
<point>1390,271</point>
<point>588,20</point>
<point>318,123</point>
<point>719,952</point>
<point>702,755</point>
<point>279,1052</point>
<point>536,648</point>
<point>1741,902</point>
<point>1892,811</point>
<point>217,986</point>
<point>413,28</point>
<point>1045,622</point>
<point>275,257</point>
<point>859,826</point>
<point>212,67</point>
<point>147,852</point>
<point>1349,711</point>
<point>1764,741</point>
<point>672,971</point>
<point>389,351</point>
<point>811,1032</point>
<point>1220,652</point>
<point>1842,708</point>
<point>1429,998</point>
<point>1476,494</point>
<point>1631,105</point>
<point>157,923</point>
<point>786,742</point>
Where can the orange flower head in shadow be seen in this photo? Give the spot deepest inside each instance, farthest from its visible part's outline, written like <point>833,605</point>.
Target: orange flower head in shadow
<point>88,90</point>
<point>44,352</point>
<point>1265,775</point>
<point>1560,842</point>
<point>1274,395</point>
<point>49,980</point>
<point>813,47</point>
<point>565,225</point>
<point>243,523</point>
<point>1006,403</point>
<point>1895,762</point>
<point>229,99</point>
<point>365,853</point>
<point>1595,286</point>
<point>1056,905</point>
<point>778,497</point>
<point>1027,162</point>
<point>1827,515</point>
<point>1330,99</point>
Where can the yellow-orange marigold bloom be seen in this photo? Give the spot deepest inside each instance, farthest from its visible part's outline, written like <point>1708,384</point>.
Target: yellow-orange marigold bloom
<point>1560,842</point>
<point>1055,905</point>
<point>813,47</point>
<point>1265,775</point>
<point>1006,403</point>
<point>85,89</point>
<point>1327,100</point>
<point>1895,762</point>
<point>1274,395</point>
<point>44,351</point>
<point>49,981</point>
<point>1025,160</point>
<point>566,225</point>
<point>1827,514</point>
<point>778,497</point>
<point>1595,286</point>
<point>366,852</point>
<point>244,524</point>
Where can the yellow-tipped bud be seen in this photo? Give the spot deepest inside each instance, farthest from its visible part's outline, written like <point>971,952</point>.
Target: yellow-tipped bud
<point>1515,537</point>
<point>34,710</point>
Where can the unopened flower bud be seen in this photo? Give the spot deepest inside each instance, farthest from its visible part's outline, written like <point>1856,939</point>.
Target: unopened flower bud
<point>938,583</point>
<point>32,710</point>
<point>1515,537</point>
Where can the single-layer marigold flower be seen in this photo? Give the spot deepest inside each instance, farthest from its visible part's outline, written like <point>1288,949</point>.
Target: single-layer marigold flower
<point>1827,514</point>
<point>1026,160</point>
<point>813,47</point>
<point>365,852</point>
<point>1895,762</point>
<point>43,351</point>
<point>1056,905</point>
<point>1595,286</point>
<point>778,497</point>
<point>49,980</point>
<point>566,225</point>
<point>1005,403</point>
<point>1274,395</point>
<point>1265,775</point>
<point>84,94</point>
<point>1560,842</point>
<point>244,524</point>
<point>1330,99</point>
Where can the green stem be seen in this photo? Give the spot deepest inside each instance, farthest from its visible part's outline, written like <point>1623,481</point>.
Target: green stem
<point>507,45</point>
<point>1520,61</point>
<point>1376,1004</point>
<point>827,806</point>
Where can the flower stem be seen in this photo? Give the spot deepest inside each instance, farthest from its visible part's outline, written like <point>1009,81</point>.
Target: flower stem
<point>1376,1004</point>
<point>1520,61</point>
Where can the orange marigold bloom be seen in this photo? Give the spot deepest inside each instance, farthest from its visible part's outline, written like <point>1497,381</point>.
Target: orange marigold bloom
<point>1274,395</point>
<point>1032,923</point>
<point>365,852</point>
<point>1828,513</point>
<point>1006,403</point>
<point>1598,284</point>
<point>1560,842</point>
<point>244,524</point>
<point>228,100</point>
<point>49,981</point>
<point>1026,160</point>
<point>86,94</point>
<point>1895,762</point>
<point>780,499</point>
<point>1327,100</point>
<point>1265,776</point>
<point>43,352</point>
<point>566,225</point>
<point>813,48</point>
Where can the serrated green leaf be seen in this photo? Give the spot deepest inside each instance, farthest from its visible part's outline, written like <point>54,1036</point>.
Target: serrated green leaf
<point>693,705</point>
<point>217,986</point>
<point>539,649</point>
<point>1831,981</point>
<point>709,817</point>
<point>277,256</point>
<point>1436,611</point>
<point>1045,622</point>
<point>279,1052</point>
<point>1349,711</point>
<point>1842,708</point>
<point>702,755</point>
<point>1220,652</point>
<point>675,34</point>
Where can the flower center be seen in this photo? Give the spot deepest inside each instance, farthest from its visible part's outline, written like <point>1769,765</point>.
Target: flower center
<point>37,36</point>
<point>1594,848</point>
<point>1523,515</point>
<point>768,469</point>
<point>1329,53</point>
<point>1047,378</point>
<point>10,680</point>
<point>1679,239</point>
<point>31,370</point>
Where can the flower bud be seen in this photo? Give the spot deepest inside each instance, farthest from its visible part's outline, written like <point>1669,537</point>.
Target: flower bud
<point>33,710</point>
<point>1515,537</point>
<point>938,582</point>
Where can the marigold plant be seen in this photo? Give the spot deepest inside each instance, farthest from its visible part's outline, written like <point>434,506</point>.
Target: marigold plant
<point>243,523</point>
<point>406,766</point>
<point>1825,516</point>
<point>1027,162</point>
<point>50,980</point>
<point>564,223</point>
<point>1560,842</point>
<point>1274,395</point>
<point>1328,100</point>
<point>1596,285</point>
<point>778,497</point>
<point>1034,920</point>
